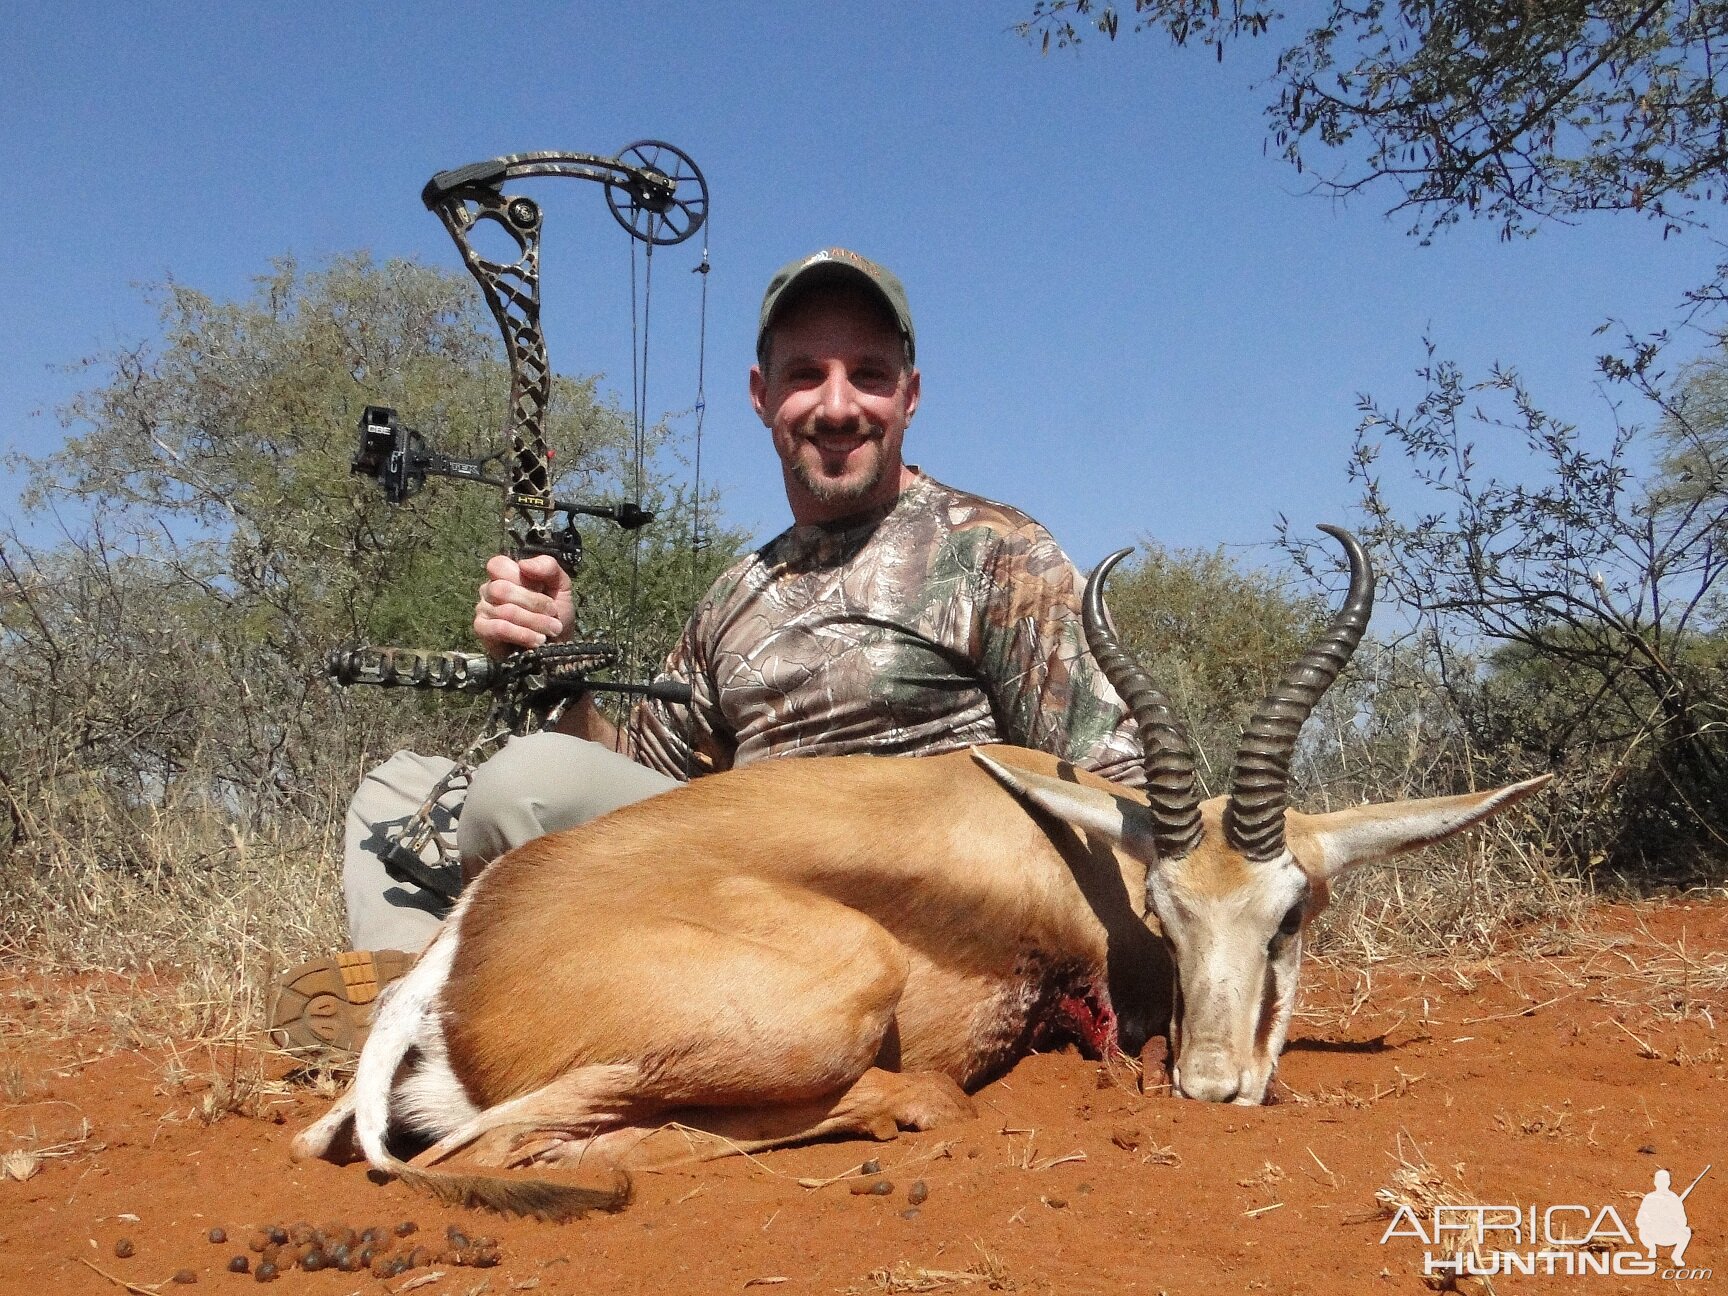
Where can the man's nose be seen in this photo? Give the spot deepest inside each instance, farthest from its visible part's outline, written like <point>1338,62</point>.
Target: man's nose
<point>838,401</point>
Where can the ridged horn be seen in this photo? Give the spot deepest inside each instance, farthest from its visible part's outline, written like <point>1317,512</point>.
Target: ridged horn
<point>1165,752</point>
<point>1260,781</point>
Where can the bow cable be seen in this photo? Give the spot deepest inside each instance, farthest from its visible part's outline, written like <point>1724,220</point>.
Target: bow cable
<point>639,399</point>
<point>698,541</point>
<point>639,417</point>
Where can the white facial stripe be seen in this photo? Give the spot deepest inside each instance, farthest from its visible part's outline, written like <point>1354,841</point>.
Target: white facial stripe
<point>1231,981</point>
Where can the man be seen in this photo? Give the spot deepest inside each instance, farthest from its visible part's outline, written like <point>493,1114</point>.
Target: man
<point>896,617</point>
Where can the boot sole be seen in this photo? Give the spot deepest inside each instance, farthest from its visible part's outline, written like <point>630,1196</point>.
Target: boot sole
<point>327,1003</point>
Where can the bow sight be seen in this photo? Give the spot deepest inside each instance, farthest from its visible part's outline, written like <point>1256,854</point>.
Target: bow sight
<point>399,460</point>
<point>659,196</point>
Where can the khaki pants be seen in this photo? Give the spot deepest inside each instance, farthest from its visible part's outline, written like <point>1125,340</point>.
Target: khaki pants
<point>538,784</point>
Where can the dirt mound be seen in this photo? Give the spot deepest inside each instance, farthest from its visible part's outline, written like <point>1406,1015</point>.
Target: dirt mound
<point>1560,1078</point>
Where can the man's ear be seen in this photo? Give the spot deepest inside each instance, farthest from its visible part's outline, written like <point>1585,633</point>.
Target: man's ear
<point>914,386</point>
<point>759,394</point>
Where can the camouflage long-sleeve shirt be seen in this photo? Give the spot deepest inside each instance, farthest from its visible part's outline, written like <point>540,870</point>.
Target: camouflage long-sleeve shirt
<point>943,621</point>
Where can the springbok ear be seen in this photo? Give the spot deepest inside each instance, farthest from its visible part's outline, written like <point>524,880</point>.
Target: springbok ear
<point>1088,809</point>
<point>1364,834</point>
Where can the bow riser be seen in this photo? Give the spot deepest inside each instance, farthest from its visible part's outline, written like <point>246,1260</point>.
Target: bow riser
<point>512,293</point>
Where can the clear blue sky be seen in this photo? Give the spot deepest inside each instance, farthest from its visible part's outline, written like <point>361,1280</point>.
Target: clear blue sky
<point>1131,319</point>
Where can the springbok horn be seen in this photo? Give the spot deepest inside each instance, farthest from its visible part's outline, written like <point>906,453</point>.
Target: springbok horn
<point>1167,757</point>
<point>1260,781</point>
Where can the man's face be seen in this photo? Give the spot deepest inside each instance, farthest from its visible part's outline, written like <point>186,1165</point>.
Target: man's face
<point>837,395</point>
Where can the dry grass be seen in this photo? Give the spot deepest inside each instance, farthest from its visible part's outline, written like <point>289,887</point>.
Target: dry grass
<point>1657,992</point>
<point>987,1273</point>
<point>1026,1157</point>
<point>181,941</point>
<point>1541,1120</point>
<point>21,1163</point>
<point>211,1082</point>
<point>1418,1186</point>
<point>1656,980</point>
<point>1471,896</point>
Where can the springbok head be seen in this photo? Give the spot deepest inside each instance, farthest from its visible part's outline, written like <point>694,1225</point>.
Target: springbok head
<point>1232,882</point>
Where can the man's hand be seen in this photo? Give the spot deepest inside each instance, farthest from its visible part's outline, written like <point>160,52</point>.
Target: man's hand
<point>524,604</point>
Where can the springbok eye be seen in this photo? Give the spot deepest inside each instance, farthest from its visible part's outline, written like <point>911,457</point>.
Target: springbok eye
<point>1292,922</point>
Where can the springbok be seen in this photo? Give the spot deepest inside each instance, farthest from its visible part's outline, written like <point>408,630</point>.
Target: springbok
<point>849,945</point>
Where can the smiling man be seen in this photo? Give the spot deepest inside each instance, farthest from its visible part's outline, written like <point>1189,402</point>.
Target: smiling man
<point>897,616</point>
<point>835,383</point>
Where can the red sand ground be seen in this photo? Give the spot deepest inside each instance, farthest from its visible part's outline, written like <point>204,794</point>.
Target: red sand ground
<point>1530,1079</point>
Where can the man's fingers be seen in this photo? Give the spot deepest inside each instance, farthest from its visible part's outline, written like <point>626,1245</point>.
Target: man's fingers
<point>504,593</point>
<point>500,629</point>
<point>505,568</point>
<point>498,633</point>
<point>522,604</point>
<point>542,571</point>
<point>515,606</point>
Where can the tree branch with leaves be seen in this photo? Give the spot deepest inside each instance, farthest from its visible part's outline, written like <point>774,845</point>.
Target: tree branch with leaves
<point>1520,113</point>
<point>1590,592</point>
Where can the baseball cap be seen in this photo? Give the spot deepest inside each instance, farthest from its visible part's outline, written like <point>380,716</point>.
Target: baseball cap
<point>836,265</point>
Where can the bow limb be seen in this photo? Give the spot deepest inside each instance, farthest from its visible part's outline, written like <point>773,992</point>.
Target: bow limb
<point>512,292</point>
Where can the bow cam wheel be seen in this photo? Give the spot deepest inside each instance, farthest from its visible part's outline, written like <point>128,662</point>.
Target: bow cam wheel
<point>671,201</point>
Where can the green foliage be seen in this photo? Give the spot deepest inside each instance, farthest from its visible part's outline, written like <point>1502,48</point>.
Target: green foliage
<point>1594,587</point>
<point>1217,636</point>
<point>241,426</point>
<point>1572,616</point>
<point>1516,112</point>
<point>1691,442</point>
<point>229,548</point>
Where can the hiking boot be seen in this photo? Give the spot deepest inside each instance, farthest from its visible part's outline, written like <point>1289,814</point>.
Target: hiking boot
<point>327,1003</point>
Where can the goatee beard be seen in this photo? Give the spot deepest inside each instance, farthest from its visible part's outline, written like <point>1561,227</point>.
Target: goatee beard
<point>841,490</point>
<point>844,490</point>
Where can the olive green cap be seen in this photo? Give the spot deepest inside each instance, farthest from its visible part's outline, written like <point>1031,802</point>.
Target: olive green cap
<point>836,265</point>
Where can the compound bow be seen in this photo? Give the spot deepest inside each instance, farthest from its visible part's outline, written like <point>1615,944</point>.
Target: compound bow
<point>659,196</point>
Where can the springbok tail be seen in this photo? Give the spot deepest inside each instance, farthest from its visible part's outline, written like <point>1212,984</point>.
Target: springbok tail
<point>399,1027</point>
<point>555,1203</point>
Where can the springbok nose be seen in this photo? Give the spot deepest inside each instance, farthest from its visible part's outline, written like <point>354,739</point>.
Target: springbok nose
<point>1208,1079</point>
